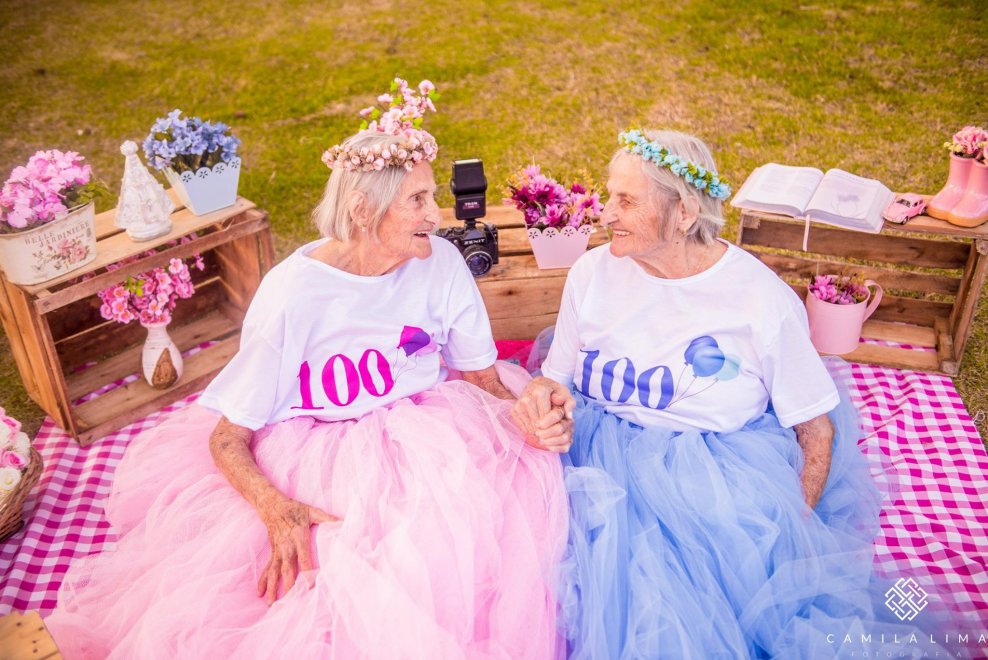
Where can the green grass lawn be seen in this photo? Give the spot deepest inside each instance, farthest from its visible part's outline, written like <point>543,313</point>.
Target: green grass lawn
<point>870,87</point>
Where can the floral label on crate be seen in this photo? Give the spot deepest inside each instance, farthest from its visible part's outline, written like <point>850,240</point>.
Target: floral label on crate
<point>50,250</point>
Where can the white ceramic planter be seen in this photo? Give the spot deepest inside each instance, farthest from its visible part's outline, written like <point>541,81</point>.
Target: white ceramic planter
<point>207,190</point>
<point>559,248</point>
<point>161,360</point>
<point>50,250</point>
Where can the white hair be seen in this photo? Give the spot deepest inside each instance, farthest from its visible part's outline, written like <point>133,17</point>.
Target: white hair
<point>379,187</point>
<point>669,188</point>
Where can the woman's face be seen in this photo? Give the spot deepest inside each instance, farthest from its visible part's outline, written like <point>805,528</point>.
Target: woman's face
<point>631,212</point>
<point>413,215</point>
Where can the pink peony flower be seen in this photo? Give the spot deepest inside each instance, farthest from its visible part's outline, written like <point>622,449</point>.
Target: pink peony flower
<point>969,141</point>
<point>10,422</point>
<point>12,459</point>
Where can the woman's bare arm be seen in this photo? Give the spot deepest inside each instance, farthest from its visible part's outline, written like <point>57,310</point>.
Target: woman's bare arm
<point>287,520</point>
<point>815,437</point>
<point>488,380</point>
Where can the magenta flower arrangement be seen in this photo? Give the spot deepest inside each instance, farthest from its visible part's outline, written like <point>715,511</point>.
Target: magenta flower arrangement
<point>839,289</point>
<point>969,142</point>
<point>151,296</point>
<point>547,203</point>
<point>51,184</point>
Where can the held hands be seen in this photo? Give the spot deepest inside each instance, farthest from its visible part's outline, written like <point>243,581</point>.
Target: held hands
<point>288,523</point>
<point>544,413</point>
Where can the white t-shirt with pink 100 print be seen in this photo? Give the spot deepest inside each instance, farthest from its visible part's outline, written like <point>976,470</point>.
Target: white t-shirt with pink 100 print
<point>320,342</point>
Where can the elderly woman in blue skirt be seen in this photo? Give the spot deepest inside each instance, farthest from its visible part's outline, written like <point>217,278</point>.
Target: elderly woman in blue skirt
<point>720,507</point>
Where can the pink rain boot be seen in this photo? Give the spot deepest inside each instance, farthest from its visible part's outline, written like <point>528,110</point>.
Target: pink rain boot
<point>944,201</point>
<point>972,210</point>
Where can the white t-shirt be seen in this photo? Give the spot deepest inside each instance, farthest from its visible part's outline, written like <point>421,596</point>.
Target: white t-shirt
<point>706,352</point>
<point>321,342</point>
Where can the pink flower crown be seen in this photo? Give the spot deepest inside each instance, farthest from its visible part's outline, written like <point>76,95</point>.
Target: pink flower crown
<point>403,114</point>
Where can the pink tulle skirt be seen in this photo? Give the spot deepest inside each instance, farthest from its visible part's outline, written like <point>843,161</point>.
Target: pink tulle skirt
<point>450,535</point>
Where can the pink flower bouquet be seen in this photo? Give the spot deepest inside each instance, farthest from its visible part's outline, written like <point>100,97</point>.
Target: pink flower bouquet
<point>969,142</point>
<point>547,203</point>
<point>49,186</point>
<point>15,454</point>
<point>149,297</point>
<point>839,289</point>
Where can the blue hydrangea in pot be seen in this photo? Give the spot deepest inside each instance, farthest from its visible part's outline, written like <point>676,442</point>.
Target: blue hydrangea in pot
<point>199,159</point>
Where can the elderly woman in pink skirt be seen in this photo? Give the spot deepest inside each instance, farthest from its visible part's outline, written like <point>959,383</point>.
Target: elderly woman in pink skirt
<point>333,494</point>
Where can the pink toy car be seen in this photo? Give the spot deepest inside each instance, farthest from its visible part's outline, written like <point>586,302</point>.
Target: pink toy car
<point>903,207</point>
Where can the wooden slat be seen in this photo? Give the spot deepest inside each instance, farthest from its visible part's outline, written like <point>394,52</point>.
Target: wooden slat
<point>240,263</point>
<point>945,348</point>
<point>967,304</point>
<point>102,338</point>
<point>21,338</point>
<point>802,268</point>
<point>922,224</point>
<point>520,298</point>
<point>858,245</point>
<point>904,310</point>
<point>83,314</point>
<point>502,216</point>
<point>521,267</point>
<point>901,333</point>
<point>135,400</point>
<point>23,636</point>
<point>521,327</point>
<point>255,221</point>
<point>42,377</point>
<point>212,327</point>
<point>927,225</point>
<point>900,358</point>
<point>119,246</point>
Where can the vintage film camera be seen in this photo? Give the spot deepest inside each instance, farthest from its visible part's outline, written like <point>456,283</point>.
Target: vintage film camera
<point>476,241</point>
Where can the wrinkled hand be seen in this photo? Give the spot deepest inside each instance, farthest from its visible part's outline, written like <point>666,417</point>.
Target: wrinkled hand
<point>288,523</point>
<point>544,413</point>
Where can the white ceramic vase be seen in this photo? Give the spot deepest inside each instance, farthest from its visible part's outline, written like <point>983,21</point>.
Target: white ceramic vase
<point>160,359</point>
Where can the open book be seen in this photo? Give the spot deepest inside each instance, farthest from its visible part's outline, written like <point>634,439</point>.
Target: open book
<point>837,198</point>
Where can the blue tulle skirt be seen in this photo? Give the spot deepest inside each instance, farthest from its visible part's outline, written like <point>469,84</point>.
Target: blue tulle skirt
<point>700,545</point>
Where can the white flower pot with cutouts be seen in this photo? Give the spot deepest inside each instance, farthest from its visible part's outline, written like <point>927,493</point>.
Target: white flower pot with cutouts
<point>207,189</point>
<point>559,248</point>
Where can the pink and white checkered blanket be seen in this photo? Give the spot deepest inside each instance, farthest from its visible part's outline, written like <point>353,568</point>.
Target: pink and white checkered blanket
<point>934,524</point>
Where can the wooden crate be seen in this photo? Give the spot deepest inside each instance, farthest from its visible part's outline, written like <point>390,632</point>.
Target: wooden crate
<point>521,299</point>
<point>932,273</point>
<point>65,350</point>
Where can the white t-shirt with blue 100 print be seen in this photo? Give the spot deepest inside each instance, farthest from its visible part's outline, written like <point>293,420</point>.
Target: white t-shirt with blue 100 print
<point>321,342</point>
<point>707,352</point>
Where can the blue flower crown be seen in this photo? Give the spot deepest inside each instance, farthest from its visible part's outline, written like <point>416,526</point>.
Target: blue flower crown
<point>696,175</point>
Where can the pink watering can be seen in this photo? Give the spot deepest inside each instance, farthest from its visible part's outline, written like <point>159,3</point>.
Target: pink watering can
<point>836,329</point>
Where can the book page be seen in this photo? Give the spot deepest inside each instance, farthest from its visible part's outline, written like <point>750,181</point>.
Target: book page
<point>779,189</point>
<point>846,200</point>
